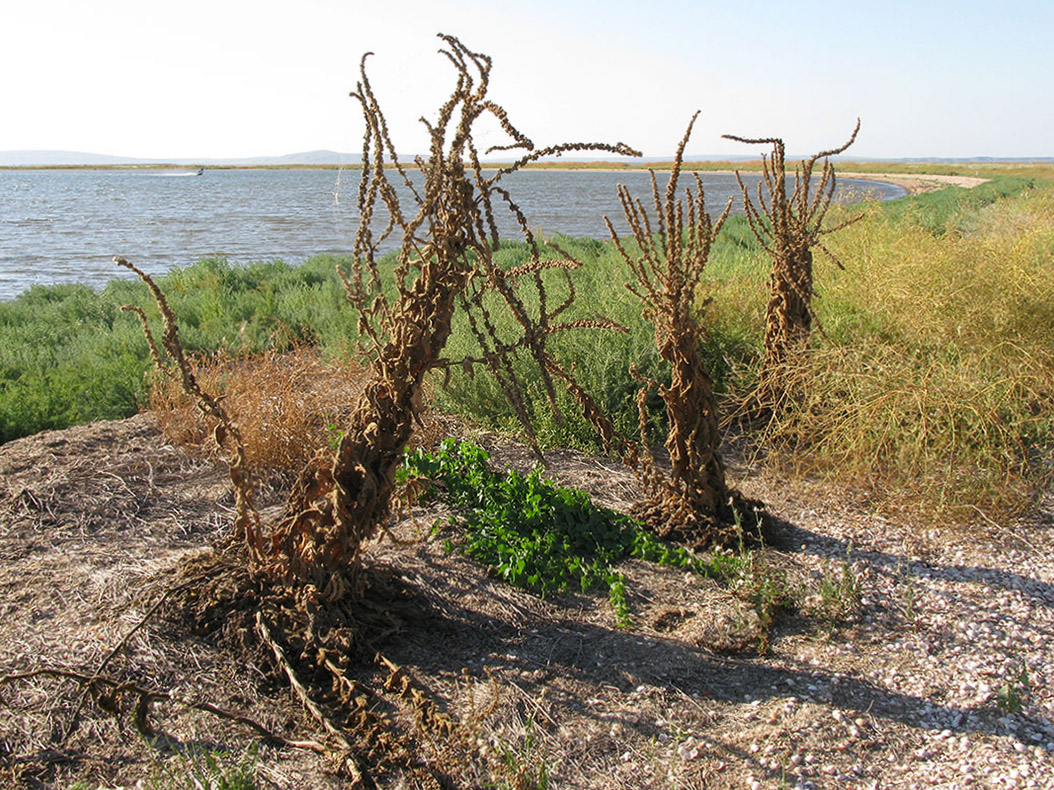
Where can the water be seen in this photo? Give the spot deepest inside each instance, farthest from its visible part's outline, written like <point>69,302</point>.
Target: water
<point>66,225</point>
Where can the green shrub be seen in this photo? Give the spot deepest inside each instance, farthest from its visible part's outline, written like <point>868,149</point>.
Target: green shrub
<point>69,355</point>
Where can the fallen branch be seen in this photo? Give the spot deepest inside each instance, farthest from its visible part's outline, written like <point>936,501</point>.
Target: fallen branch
<point>358,779</point>
<point>107,692</point>
<point>71,725</point>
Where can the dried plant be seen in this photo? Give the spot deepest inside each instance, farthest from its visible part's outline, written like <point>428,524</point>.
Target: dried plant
<point>692,502</point>
<point>444,264</point>
<point>287,403</point>
<point>789,228</point>
<point>302,581</point>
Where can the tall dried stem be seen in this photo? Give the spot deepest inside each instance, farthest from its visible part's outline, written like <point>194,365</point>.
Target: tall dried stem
<point>789,228</point>
<point>692,502</point>
<point>247,529</point>
<point>444,264</point>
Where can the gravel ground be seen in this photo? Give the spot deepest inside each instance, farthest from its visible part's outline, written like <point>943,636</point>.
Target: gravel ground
<point>952,643</point>
<point>940,677</point>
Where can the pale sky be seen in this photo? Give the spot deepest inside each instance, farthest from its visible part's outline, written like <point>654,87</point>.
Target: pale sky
<point>234,78</point>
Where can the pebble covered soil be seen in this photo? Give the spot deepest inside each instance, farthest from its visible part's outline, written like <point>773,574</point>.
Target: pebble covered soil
<point>912,657</point>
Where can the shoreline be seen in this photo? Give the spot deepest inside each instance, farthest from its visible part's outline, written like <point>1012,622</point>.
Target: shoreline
<point>917,184</point>
<point>914,183</point>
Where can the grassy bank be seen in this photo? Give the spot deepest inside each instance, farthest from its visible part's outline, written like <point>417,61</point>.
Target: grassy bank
<point>932,381</point>
<point>937,378</point>
<point>69,355</point>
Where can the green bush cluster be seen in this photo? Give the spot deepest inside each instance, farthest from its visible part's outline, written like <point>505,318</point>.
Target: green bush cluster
<point>69,355</point>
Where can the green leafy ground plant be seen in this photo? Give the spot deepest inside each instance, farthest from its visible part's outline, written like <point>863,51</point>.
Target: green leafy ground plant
<point>536,535</point>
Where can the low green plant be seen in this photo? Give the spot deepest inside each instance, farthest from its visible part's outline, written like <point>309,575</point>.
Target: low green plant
<point>523,767</point>
<point>537,535</point>
<point>206,770</point>
<point>840,591</point>
<point>908,590</point>
<point>765,587</point>
<point>1015,691</point>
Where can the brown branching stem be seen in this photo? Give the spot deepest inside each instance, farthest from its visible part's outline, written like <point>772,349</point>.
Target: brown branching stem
<point>109,693</point>
<point>445,264</point>
<point>692,502</point>
<point>789,228</point>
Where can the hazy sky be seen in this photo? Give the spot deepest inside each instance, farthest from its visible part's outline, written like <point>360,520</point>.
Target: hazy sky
<point>224,78</point>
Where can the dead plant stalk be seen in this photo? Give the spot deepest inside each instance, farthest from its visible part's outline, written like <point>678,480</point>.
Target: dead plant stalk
<point>789,228</point>
<point>302,579</point>
<point>693,502</point>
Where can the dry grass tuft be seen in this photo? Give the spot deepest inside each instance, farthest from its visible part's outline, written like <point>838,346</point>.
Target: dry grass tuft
<point>289,403</point>
<point>915,431</point>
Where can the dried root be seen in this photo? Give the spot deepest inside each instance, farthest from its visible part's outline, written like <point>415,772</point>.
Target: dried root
<point>125,698</point>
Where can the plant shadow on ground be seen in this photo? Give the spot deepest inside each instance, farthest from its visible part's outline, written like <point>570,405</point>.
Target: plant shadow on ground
<point>455,634</point>
<point>564,649</point>
<point>894,566</point>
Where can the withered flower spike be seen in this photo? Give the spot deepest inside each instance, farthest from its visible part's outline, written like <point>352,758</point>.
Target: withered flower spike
<point>789,228</point>
<point>691,502</point>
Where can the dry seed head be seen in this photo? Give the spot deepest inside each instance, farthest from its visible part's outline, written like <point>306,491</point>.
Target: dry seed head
<point>247,519</point>
<point>666,267</point>
<point>788,229</point>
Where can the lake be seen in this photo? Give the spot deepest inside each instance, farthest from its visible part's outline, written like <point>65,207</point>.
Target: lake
<point>66,225</point>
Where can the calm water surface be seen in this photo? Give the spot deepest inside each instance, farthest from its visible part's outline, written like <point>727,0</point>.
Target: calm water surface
<point>66,225</point>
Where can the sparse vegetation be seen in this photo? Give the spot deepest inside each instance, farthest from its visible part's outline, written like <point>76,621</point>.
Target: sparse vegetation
<point>205,770</point>
<point>949,409</point>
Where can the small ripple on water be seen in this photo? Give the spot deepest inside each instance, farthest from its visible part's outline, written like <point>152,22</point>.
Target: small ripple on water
<point>69,223</point>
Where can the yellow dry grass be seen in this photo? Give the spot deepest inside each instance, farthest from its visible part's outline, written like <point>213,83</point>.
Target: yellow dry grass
<point>934,388</point>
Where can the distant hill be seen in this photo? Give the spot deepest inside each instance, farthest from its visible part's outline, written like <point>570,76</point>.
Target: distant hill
<point>77,158</point>
<point>334,158</point>
<point>57,158</point>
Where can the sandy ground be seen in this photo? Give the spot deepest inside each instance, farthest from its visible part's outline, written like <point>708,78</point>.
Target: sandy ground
<point>916,184</point>
<point>939,676</point>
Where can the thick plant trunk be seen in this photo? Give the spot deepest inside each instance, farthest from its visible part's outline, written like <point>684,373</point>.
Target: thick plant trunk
<point>339,501</point>
<point>697,471</point>
<point>789,315</point>
<point>692,504</point>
